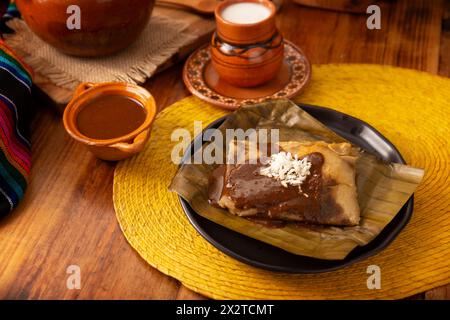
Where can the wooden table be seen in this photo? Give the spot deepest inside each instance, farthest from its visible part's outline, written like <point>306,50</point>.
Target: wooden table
<point>67,216</point>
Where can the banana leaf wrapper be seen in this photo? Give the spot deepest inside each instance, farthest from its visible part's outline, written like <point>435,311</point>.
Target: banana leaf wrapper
<point>383,188</point>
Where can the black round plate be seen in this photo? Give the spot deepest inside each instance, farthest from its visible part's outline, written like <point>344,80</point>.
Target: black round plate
<point>262,255</point>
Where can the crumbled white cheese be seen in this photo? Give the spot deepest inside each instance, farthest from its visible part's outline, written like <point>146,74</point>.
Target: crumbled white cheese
<point>288,169</point>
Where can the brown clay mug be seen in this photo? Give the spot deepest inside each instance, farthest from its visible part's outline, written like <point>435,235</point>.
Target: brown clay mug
<point>247,54</point>
<point>116,148</point>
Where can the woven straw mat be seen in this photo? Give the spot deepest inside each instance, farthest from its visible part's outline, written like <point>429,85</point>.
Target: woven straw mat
<point>410,108</point>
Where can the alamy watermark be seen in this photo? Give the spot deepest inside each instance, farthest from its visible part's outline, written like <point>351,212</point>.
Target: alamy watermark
<point>74,17</point>
<point>73,22</point>
<point>374,280</point>
<point>214,146</point>
<point>374,20</point>
<point>73,281</point>
<point>240,146</point>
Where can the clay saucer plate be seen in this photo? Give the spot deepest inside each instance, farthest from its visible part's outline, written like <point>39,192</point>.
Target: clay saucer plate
<point>202,80</point>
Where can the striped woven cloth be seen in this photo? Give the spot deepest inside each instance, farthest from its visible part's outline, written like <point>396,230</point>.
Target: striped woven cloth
<point>15,112</point>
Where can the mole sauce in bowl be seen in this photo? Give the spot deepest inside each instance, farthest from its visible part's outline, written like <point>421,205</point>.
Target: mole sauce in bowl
<point>112,119</point>
<point>108,117</point>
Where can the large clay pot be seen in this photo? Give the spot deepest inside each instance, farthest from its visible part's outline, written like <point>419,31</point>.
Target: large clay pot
<point>107,26</point>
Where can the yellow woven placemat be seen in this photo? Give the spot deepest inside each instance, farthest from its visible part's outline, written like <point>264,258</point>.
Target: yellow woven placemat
<point>410,108</point>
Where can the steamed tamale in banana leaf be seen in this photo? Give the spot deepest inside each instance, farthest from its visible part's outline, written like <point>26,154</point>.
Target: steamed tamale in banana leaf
<point>311,182</point>
<point>339,197</point>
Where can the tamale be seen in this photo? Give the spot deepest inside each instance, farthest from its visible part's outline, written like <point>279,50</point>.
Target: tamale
<point>327,195</point>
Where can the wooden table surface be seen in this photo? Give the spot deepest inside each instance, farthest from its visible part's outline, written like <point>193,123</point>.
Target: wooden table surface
<point>67,216</point>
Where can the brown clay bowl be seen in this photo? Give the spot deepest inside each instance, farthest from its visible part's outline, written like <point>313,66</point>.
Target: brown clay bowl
<point>107,26</point>
<point>116,148</point>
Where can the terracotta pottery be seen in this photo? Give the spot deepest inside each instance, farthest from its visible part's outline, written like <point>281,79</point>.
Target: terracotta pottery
<point>247,55</point>
<point>203,81</point>
<point>116,148</point>
<point>107,26</point>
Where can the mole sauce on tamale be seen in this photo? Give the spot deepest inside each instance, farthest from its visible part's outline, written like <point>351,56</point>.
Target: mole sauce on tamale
<point>248,189</point>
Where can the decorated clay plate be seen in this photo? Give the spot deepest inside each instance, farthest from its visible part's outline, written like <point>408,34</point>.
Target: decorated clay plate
<point>203,81</point>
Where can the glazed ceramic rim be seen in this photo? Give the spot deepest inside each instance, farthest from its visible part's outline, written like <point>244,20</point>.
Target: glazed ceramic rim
<point>73,108</point>
<point>238,102</point>
<point>268,4</point>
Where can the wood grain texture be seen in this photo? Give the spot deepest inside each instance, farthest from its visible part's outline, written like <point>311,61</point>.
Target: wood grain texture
<point>355,6</point>
<point>67,216</point>
<point>440,293</point>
